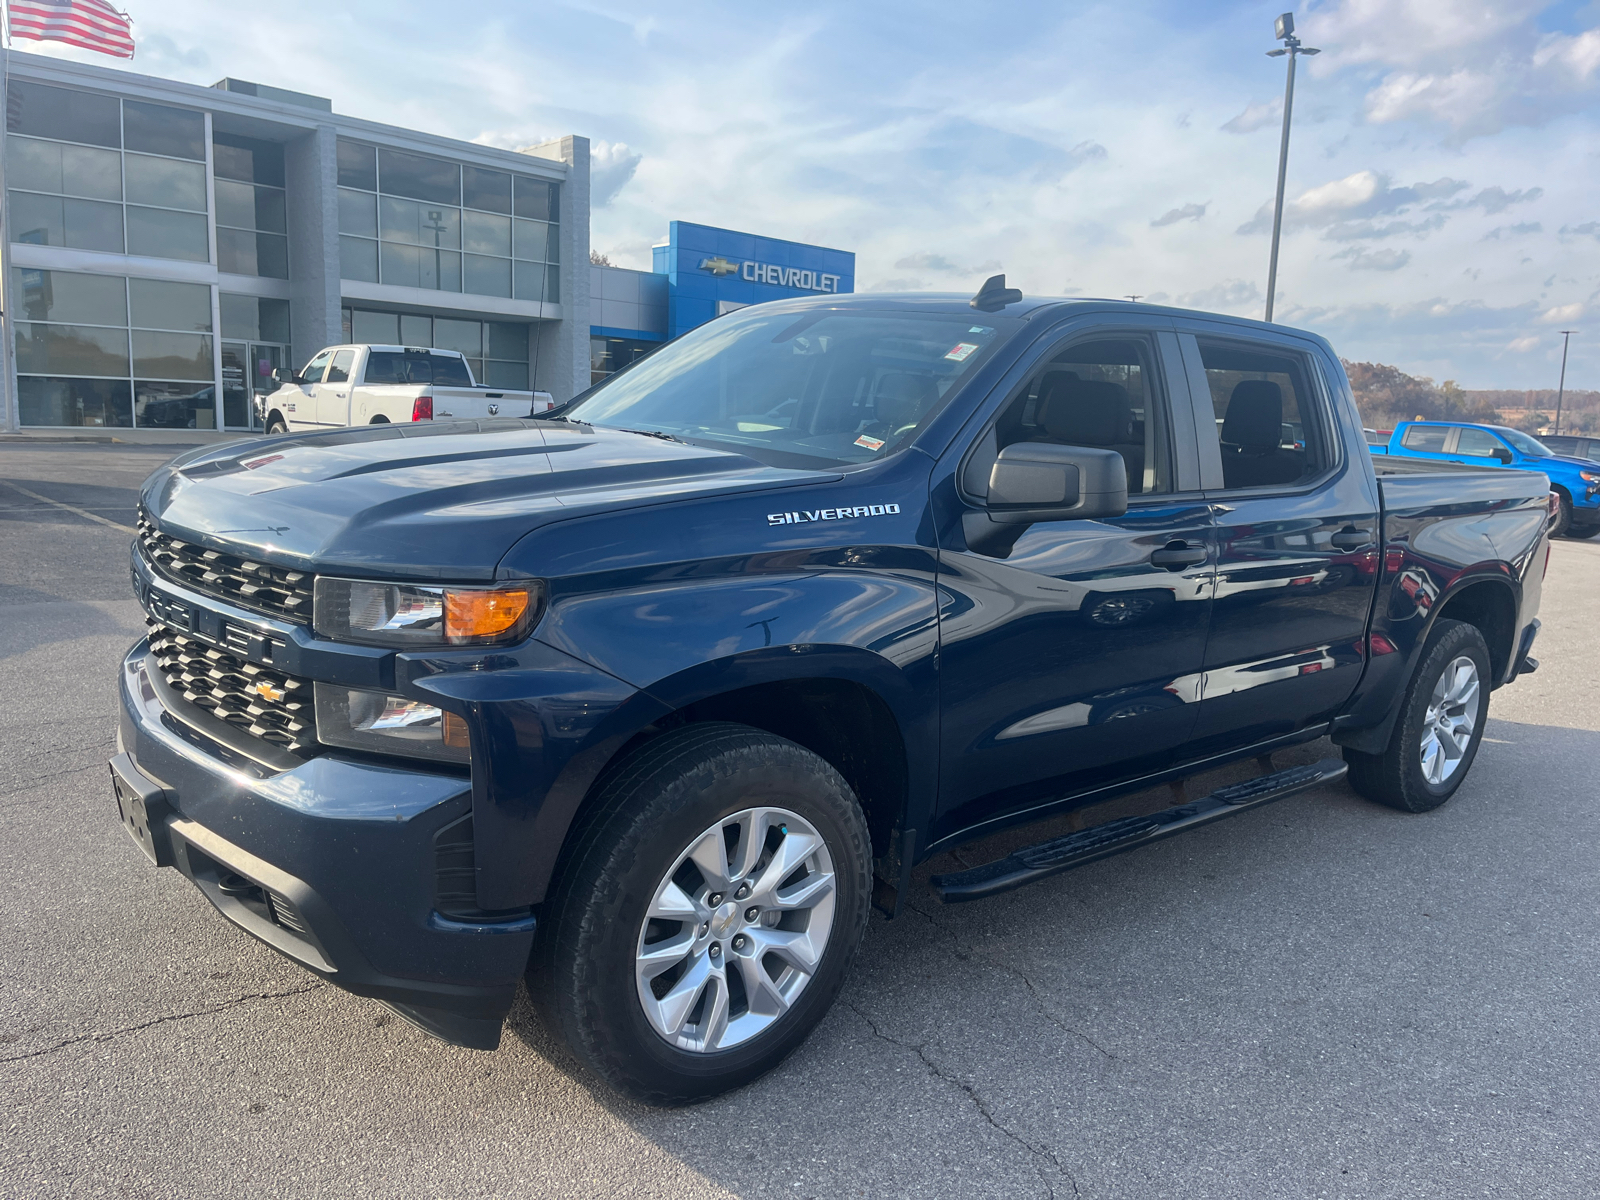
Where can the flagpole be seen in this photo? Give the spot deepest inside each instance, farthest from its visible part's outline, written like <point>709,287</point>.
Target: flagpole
<point>13,420</point>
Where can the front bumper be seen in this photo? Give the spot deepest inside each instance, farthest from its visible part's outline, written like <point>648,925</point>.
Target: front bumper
<point>335,862</point>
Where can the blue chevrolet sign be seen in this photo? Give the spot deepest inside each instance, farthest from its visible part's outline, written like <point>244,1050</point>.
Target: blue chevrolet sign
<point>711,271</point>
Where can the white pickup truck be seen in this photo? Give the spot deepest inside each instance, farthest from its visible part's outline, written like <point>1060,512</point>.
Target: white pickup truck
<point>378,385</point>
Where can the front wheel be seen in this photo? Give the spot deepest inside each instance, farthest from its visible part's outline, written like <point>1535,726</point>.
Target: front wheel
<point>708,914</point>
<point>1563,518</point>
<point>1440,726</point>
<point>277,425</point>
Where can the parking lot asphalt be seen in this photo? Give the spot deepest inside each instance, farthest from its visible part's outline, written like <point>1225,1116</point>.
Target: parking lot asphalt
<point>1322,998</point>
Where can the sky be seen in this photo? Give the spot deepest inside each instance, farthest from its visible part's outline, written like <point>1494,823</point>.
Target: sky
<point>1442,209</point>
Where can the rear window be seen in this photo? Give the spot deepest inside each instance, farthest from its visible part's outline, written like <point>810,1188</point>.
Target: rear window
<point>1428,438</point>
<point>389,366</point>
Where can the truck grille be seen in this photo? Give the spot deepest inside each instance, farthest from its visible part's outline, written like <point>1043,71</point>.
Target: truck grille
<point>274,707</point>
<point>276,591</point>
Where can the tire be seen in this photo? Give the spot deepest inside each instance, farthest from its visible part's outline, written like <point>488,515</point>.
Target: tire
<point>1405,776</point>
<point>1583,531</point>
<point>1563,518</point>
<point>599,950</point>
<point>276,425</point>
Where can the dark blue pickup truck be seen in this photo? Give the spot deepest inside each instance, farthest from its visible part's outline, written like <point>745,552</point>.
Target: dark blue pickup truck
<point>652,700</point>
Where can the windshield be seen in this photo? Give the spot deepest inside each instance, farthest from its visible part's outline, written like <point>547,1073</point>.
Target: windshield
<point>828,386</point>
<point>1532,447</point>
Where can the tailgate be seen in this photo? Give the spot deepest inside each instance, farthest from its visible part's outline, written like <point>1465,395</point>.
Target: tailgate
<point>480,402</point>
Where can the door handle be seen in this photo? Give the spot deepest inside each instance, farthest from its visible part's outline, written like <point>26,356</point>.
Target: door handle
<point>1176,555</point>
<point>1351,538</point>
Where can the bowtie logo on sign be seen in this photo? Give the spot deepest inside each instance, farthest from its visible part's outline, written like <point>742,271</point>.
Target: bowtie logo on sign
<point>790,277</point>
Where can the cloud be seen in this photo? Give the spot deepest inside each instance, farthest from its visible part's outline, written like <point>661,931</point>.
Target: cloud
<point>1362,259</point>
<point>611,167</point>
<point>1256,116</point>
<point>1189,212</point>
<point>1587,229</point>
<point>926,260</point>
<point>1521,229</point>
<point>1363,194</point>
<point>1522,345</point>
<point>1563,312</point>
<point>1349,231</point>
<point>1495,200</point>
<point>1231,296</point>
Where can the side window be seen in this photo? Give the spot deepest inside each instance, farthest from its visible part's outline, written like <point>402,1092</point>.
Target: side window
<point>1478,443</point>
<point>1427,438</point>
<point>1099,394</point>
<point>314,368</point>
<point>1592,452</point>
<point>339,369</point>
<point>1262,400</point>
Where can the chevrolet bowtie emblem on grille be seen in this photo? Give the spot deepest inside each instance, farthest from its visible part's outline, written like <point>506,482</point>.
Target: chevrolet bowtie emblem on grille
<point>719,266</point>
<point>267,692</point>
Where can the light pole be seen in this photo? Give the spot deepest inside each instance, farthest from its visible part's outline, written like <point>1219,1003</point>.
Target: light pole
<point>1561,391</point>
<point>1283,30</point>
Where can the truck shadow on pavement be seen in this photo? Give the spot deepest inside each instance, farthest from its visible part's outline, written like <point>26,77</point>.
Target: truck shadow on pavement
<point>1271,986</point>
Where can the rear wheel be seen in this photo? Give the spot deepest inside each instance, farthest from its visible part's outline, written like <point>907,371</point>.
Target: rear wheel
<point>708,914</point>
<point>1439,729</point>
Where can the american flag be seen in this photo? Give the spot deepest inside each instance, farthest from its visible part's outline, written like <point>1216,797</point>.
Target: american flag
<point>92,24</point>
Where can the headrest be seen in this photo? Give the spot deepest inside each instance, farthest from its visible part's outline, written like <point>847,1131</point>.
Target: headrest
<point>1255,415</point>
<point>903,398</point>
<point>1085,412</point>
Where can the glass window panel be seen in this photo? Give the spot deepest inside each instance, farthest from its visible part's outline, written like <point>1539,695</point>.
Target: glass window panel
<point>531,277</point>
<point>1478,443</point>
<point>419,224</point>
<point>73,170</point>
<point>274,320</point>
<point>532,240</point>
<point>160,129</point>
<point>165,183</point>
<point>313,369</point>
<point>163,234</point>
<point>466,337</point>
<point>420,178</point>
<point>246,207</point>
<point>52,221</point>
<point>71,350</point>
<point>247,160</point>
<point>358,259</point>
<point>488,190</point>
<point>172,355</point>
<point>415,266</point>
<point>339,368</point>
<point>89,402</point>
<point>512,375</point>
<point>486,234</point>
<point>344,326</point>
<point>68,116</point>
<point>358,166</point>
<point>236,251</point>
<point>535,199</point>
<point>508,340</point>
<point>486,276</point>
<point>416,330</point>
<point>72,297</point>
<point>358,213</point>
<point>449,372</point>
<point>271,212</point>
<point>158,304</point>
<point>375,328</point>
<point>240,317</point>
<point>174,406</point>
<point>272,255</point>
<point>235,385</point>
<point>475,365</point>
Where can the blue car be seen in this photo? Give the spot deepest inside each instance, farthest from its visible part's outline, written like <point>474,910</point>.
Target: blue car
<point>1575,481</point>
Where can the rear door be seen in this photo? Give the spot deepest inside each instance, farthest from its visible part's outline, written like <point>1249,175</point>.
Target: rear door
<point>1072,657</point>
<point>1429,440</point>
<point>1297,534</point>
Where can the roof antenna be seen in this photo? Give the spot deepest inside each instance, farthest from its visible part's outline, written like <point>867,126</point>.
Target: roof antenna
<point>994,295</point>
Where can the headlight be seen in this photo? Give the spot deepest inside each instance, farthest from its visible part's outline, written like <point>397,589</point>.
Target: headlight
<point>1590,476</point>
<point>388,724</point>
<point>407,615</point>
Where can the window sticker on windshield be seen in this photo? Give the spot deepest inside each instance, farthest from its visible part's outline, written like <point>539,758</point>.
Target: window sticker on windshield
<point>871,443</point>
<point>961,351</point>
<point>980,329</point>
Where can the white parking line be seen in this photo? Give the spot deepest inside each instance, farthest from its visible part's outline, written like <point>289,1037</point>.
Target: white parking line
<point>88,516</point>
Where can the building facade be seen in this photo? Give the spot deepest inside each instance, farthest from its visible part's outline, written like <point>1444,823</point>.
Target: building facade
<point>171,244</point>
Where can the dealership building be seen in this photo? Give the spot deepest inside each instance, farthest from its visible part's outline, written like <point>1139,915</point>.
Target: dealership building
<point>171,244</point>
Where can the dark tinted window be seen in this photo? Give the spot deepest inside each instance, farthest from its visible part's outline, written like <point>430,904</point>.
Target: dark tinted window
<point>388,366</point>
<point>488,190</point>
<point>1265,416</point>
<point>247,160</point>
<point>450,372</point>
<point>418,177</point>
<point>314,368</point>
<point>339,368</point>
<point>537,199</point>
<point>358,166</point>
<point>65,115</point>
<point>1477,443</point>
<point>1427,438</point>
<point>158,129</point>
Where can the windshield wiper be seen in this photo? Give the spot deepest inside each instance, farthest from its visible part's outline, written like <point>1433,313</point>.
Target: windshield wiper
<point>655,433</point>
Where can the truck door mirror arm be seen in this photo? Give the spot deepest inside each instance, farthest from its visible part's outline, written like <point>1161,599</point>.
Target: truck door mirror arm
<point>1040,481</point>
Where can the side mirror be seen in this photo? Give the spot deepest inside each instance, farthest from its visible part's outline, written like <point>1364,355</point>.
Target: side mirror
<point>283,376</point>
<point>1037,481</point>
<point>1505,456</point>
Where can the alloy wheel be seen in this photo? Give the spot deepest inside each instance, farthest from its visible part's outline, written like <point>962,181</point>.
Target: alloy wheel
<point>1451,717</point>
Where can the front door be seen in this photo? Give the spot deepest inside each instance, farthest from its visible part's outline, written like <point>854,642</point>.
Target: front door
<point>1071,659</point>
<point>333,393</point>
<point>1297,528</point>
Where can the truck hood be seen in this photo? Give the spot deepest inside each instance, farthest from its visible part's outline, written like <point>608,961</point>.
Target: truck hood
<point>438,500</point>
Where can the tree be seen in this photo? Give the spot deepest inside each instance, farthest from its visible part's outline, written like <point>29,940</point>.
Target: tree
<point>596,259</point>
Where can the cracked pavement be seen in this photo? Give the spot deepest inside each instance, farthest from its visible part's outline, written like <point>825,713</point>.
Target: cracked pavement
<point>1321,998</point>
